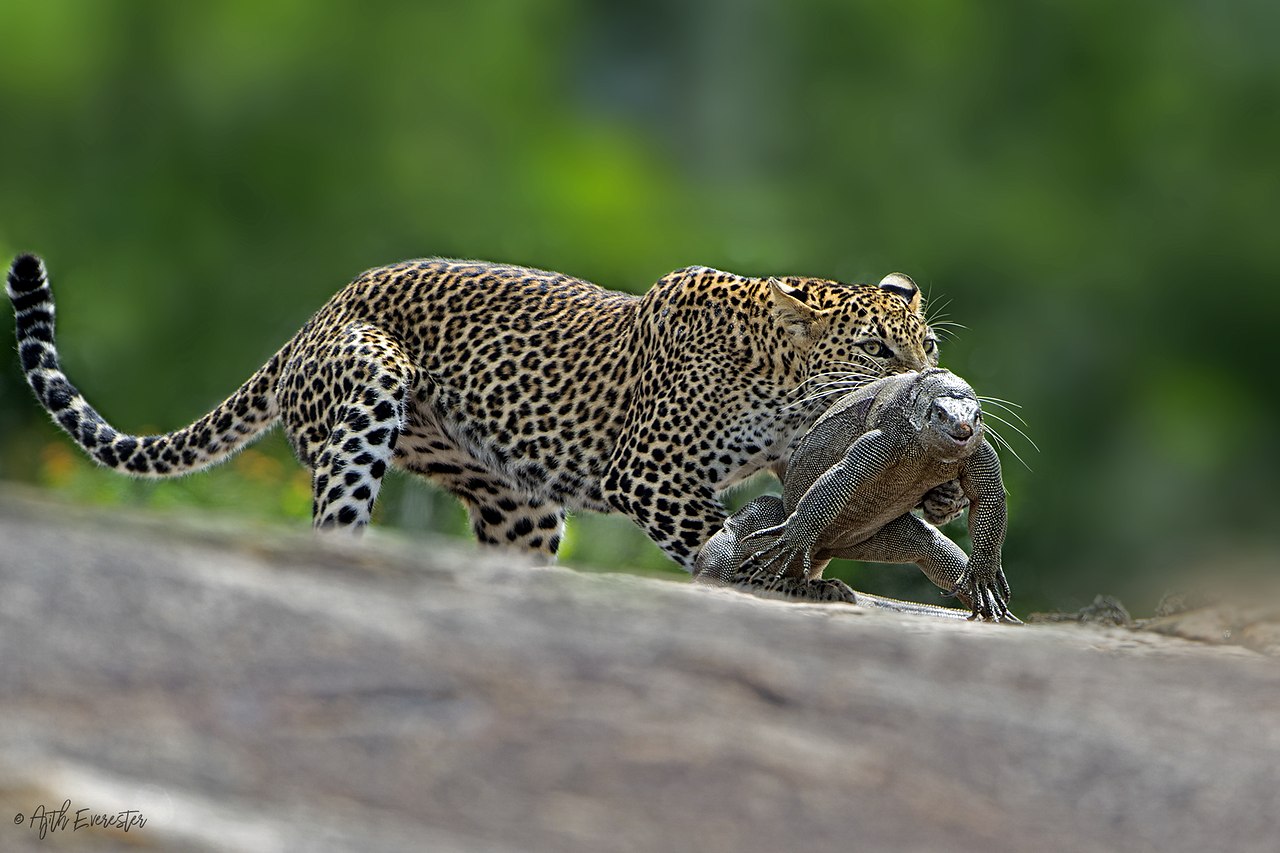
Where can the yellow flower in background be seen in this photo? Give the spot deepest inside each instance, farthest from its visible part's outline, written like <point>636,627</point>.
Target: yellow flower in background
<point>57,464</point>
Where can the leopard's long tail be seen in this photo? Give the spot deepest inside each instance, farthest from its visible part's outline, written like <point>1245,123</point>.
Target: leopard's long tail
<point>241,418</point>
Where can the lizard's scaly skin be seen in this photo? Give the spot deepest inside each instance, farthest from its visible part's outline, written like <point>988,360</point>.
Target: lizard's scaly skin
<point>848,492</point>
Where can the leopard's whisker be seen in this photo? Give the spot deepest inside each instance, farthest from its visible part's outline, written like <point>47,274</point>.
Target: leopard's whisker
<point>865,363</point>
<point>831,387</point>
<point>842,373</point>
<point>819,396</point>
<point>858,378</point>
<point>1011,425</point>
<point>1000,404</point>
<point>937,311</point>
<point>1000,400</point>
<point>845,383</point>
<point>837,383</point>
<point>1000,441</point>
<point>861,367</point>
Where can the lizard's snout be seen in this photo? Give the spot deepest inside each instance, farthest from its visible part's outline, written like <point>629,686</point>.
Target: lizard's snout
<point>956,418</point>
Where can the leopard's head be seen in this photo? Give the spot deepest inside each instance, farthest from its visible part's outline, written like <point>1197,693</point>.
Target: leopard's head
<point>852,334</point>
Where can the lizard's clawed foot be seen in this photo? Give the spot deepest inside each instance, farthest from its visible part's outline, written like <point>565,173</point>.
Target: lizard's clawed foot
<point>776,559</point>
<point>989,597</point>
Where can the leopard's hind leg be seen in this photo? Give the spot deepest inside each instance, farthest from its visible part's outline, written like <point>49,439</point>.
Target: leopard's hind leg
<point>502,514</point>
<point>504,517</point>
<point>343,401</point>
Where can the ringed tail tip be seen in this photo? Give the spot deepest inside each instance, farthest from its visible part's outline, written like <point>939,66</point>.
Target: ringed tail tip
<point>26,274</point>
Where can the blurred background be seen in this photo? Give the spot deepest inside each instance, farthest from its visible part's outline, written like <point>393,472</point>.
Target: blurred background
<point>1093,188</point>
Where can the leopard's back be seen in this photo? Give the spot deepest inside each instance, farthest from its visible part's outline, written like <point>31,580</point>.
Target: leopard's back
<point>525,370</point>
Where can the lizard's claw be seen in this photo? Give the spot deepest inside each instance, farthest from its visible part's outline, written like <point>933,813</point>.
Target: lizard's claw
<point>774,530</point>
<point>775,559</point>
<point>989,595</point>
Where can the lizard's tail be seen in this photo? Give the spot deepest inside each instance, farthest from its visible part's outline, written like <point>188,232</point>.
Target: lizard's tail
<point>240,419</point>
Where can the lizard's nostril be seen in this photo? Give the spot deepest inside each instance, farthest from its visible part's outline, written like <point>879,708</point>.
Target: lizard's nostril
<point>961,431</point>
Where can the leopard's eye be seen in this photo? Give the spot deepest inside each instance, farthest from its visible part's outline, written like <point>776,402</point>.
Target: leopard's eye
<point>878,349</point>
<point>930,345</point>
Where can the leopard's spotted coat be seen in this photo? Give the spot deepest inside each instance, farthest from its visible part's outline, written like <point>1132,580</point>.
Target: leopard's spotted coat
<point>526,393</point>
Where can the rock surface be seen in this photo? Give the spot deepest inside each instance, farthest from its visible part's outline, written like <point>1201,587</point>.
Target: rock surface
<point>252,690</point>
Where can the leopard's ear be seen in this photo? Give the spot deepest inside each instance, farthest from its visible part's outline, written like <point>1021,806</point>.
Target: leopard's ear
<point>900,284</point>
<point>790,308</point>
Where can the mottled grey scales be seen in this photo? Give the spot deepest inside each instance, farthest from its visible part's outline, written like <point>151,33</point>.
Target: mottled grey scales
<point>849,490</point>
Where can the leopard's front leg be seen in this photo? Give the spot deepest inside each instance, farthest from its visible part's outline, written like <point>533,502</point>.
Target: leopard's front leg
<point>679,512</point>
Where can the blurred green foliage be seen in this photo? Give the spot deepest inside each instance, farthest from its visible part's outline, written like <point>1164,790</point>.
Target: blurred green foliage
<point>1094,187</point>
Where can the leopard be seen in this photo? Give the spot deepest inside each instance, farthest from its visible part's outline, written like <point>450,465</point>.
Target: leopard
<point>527,394</point>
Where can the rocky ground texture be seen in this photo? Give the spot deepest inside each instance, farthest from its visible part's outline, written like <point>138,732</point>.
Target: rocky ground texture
<point>257,690</point>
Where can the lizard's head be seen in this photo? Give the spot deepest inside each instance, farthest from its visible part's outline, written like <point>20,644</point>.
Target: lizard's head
<point>946,413</point>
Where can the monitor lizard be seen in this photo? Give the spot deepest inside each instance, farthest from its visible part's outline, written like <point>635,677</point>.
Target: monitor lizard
<point>848,492</point>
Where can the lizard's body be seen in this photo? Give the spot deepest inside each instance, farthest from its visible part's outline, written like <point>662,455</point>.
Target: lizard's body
<point>849,489</point>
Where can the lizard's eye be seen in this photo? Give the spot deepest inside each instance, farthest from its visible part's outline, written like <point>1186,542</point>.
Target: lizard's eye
<point>878,349</point>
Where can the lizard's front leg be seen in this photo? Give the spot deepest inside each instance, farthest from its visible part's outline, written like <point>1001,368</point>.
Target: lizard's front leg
<point>983,579</point>
<point>799,536</point>
<point>720,561</point>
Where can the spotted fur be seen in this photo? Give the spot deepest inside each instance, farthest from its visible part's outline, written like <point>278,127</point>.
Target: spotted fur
<point>526,393</point>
